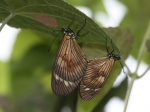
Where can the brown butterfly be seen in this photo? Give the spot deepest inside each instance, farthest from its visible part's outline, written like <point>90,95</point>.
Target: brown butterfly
<point>70,64</point>
<point>96,75</point>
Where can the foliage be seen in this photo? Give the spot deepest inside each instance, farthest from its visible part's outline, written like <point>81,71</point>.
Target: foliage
<point>30,66</point>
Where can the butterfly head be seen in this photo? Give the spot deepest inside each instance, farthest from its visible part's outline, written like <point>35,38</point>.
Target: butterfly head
<point>114,56</point>
<point>68,32</point>
<point>117,57</point>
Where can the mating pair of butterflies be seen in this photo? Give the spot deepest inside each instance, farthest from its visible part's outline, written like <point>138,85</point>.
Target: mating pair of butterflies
<point>71,68</point>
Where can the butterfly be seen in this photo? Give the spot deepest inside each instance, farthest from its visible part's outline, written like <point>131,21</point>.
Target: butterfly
<point>70,64</point>
<point>96,75</point>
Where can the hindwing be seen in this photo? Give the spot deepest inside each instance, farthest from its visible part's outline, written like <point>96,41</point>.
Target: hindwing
<point>95,77</point>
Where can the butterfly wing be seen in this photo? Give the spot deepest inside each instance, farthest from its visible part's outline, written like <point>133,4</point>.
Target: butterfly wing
<point>95,77</point>
<point>69,67</point>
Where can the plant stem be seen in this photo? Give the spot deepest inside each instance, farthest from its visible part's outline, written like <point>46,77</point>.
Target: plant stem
<point>148,68</point>
<point>142,48</point>
<point>129,72</point>
<point>129,93</point>
<point>6,20</point>
<point>135,75</point>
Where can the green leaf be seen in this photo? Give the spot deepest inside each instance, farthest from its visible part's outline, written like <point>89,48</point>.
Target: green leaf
<point>49,15</point>
<point>122,37</point>
<point>5,80</point>
<point>119,91</point>
<point>30,62</point>
<point>30,70</point>
<point>95,6</point>
<point>136,19</point>
<point>26,39</point>
<point>148,45</point>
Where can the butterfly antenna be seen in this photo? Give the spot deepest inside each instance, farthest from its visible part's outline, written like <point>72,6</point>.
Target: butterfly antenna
<point>52,42</point>
<point>112,46</point>
<point>72,21</point>
<point>81,28</point>
<point>119,51</point>
<point>56,30</point>
<point>107,46</point>
<point>123,68</point>
<point>76,27</point>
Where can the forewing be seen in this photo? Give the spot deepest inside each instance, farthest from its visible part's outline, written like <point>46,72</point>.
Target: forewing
<point>69,67</point>
<point>95,77</point>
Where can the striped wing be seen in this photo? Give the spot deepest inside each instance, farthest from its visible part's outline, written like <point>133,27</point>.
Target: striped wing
<point>69,67</point>
<point>95,77</point>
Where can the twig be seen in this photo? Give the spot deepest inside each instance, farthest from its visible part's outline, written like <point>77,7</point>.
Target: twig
<point>128,70</point>
<point>135,75</point>
<point>6,21</point>
<point>129,93</point>
<point>142,48</point>
<point>148,68</point>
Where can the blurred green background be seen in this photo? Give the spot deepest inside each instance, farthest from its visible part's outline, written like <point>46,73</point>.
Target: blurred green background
<point>25,79</point>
